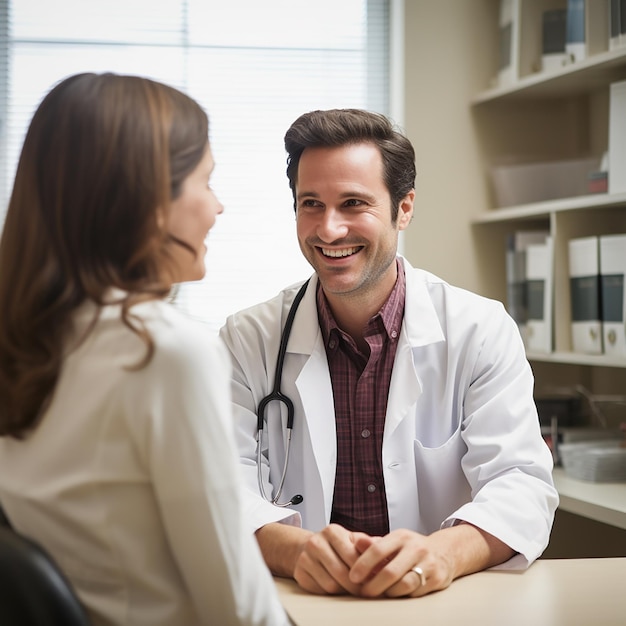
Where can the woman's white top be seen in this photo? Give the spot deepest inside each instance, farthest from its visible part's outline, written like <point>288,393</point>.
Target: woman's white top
<point>131,480</point>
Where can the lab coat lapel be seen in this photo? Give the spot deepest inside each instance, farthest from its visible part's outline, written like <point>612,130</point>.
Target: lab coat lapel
<point>404,390</point>
<point>420,327</point>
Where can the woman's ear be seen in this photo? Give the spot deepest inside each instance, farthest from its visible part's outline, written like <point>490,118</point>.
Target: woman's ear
<point>405,210</point>
<point>161,218</point>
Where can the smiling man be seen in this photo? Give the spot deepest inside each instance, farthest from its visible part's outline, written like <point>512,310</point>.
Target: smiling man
<point>415,454</point>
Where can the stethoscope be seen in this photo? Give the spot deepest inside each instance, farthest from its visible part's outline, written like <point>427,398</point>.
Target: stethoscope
<point>277,395</point>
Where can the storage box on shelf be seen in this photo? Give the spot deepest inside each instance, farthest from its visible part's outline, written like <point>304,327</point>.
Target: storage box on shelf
<point>525,183</point>
<point>602,460</point>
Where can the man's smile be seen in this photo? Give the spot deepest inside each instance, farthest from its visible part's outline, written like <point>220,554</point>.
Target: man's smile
<point>340,252</point>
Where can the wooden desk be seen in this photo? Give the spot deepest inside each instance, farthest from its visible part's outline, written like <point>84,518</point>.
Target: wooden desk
<point>551,593</point>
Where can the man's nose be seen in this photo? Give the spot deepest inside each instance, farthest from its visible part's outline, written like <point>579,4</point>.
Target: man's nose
<point>332,225</point>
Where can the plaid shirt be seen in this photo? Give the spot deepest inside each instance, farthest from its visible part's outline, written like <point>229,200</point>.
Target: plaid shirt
<point>360,389</point>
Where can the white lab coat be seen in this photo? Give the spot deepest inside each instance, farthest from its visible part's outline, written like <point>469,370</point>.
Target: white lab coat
<point>461,438</point>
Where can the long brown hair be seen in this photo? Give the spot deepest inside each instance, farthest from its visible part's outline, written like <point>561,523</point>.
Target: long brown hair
<point>102,160</point>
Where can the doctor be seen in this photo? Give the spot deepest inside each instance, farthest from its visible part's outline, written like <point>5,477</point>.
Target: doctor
<point>416,455</point>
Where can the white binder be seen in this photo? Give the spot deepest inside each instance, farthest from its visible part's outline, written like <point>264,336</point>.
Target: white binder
<point>539,297</point>
<point>517,242</point>
<point>617,137</point>
<point>509,25</point>
<point>612,278</point>
<point>584,275</point>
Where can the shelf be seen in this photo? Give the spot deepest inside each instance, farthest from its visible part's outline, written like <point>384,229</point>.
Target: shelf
<point>574,358</point>
<point>577,78</point>
<point>603,502</point>
<point>544,209</point>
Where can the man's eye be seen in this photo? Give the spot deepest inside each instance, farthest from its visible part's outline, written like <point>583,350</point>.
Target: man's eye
<point>353,202</point>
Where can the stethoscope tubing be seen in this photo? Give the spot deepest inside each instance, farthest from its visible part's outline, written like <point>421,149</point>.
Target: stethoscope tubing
<point>277,395</point>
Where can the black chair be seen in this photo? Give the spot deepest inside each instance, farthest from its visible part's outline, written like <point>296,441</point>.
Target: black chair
<point>4,520</point>
<point>33,590</point>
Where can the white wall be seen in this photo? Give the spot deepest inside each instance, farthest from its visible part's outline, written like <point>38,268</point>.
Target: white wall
<point>447,62</point>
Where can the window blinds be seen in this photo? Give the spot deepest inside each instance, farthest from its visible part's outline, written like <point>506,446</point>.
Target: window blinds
<point>253,65</point>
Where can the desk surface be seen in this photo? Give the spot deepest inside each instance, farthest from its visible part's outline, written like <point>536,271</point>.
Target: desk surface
<point>550,593</point>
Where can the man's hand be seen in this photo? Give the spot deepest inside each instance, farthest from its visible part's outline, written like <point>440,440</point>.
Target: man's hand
<point>326,560</point>
<point>319,562</point>
<point>385,565</point>
<point>336,561</point>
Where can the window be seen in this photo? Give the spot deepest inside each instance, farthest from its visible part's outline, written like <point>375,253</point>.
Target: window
<point>253,65</point>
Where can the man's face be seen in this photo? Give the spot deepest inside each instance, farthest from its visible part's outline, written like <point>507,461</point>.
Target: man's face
<point>343,212</point>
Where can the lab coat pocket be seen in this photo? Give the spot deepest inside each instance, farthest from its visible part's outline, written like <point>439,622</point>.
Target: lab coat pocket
<point>441,484</point>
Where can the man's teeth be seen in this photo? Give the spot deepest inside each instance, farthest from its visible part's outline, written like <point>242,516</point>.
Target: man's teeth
<point>339,253</point>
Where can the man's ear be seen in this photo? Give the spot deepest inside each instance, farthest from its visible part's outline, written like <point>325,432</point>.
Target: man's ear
<point>405,210</point>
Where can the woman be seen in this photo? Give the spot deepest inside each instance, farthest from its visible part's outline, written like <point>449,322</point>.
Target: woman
<point>116,450</point>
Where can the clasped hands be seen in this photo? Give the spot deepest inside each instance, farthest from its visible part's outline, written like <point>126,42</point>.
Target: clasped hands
<point>338,561</point>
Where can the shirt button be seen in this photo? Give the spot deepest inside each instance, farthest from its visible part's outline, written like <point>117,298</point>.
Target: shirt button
<point>331,344</point>
<point>394,334</point>
<point>365,433</point>
<point>371,488</point>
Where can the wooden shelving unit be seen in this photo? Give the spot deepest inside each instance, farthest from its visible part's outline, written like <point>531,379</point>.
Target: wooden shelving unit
<point>560,114</point>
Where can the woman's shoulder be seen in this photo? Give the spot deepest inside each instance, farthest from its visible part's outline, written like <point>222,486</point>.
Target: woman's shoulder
<point>177,336</point>
<point>167,321</point>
